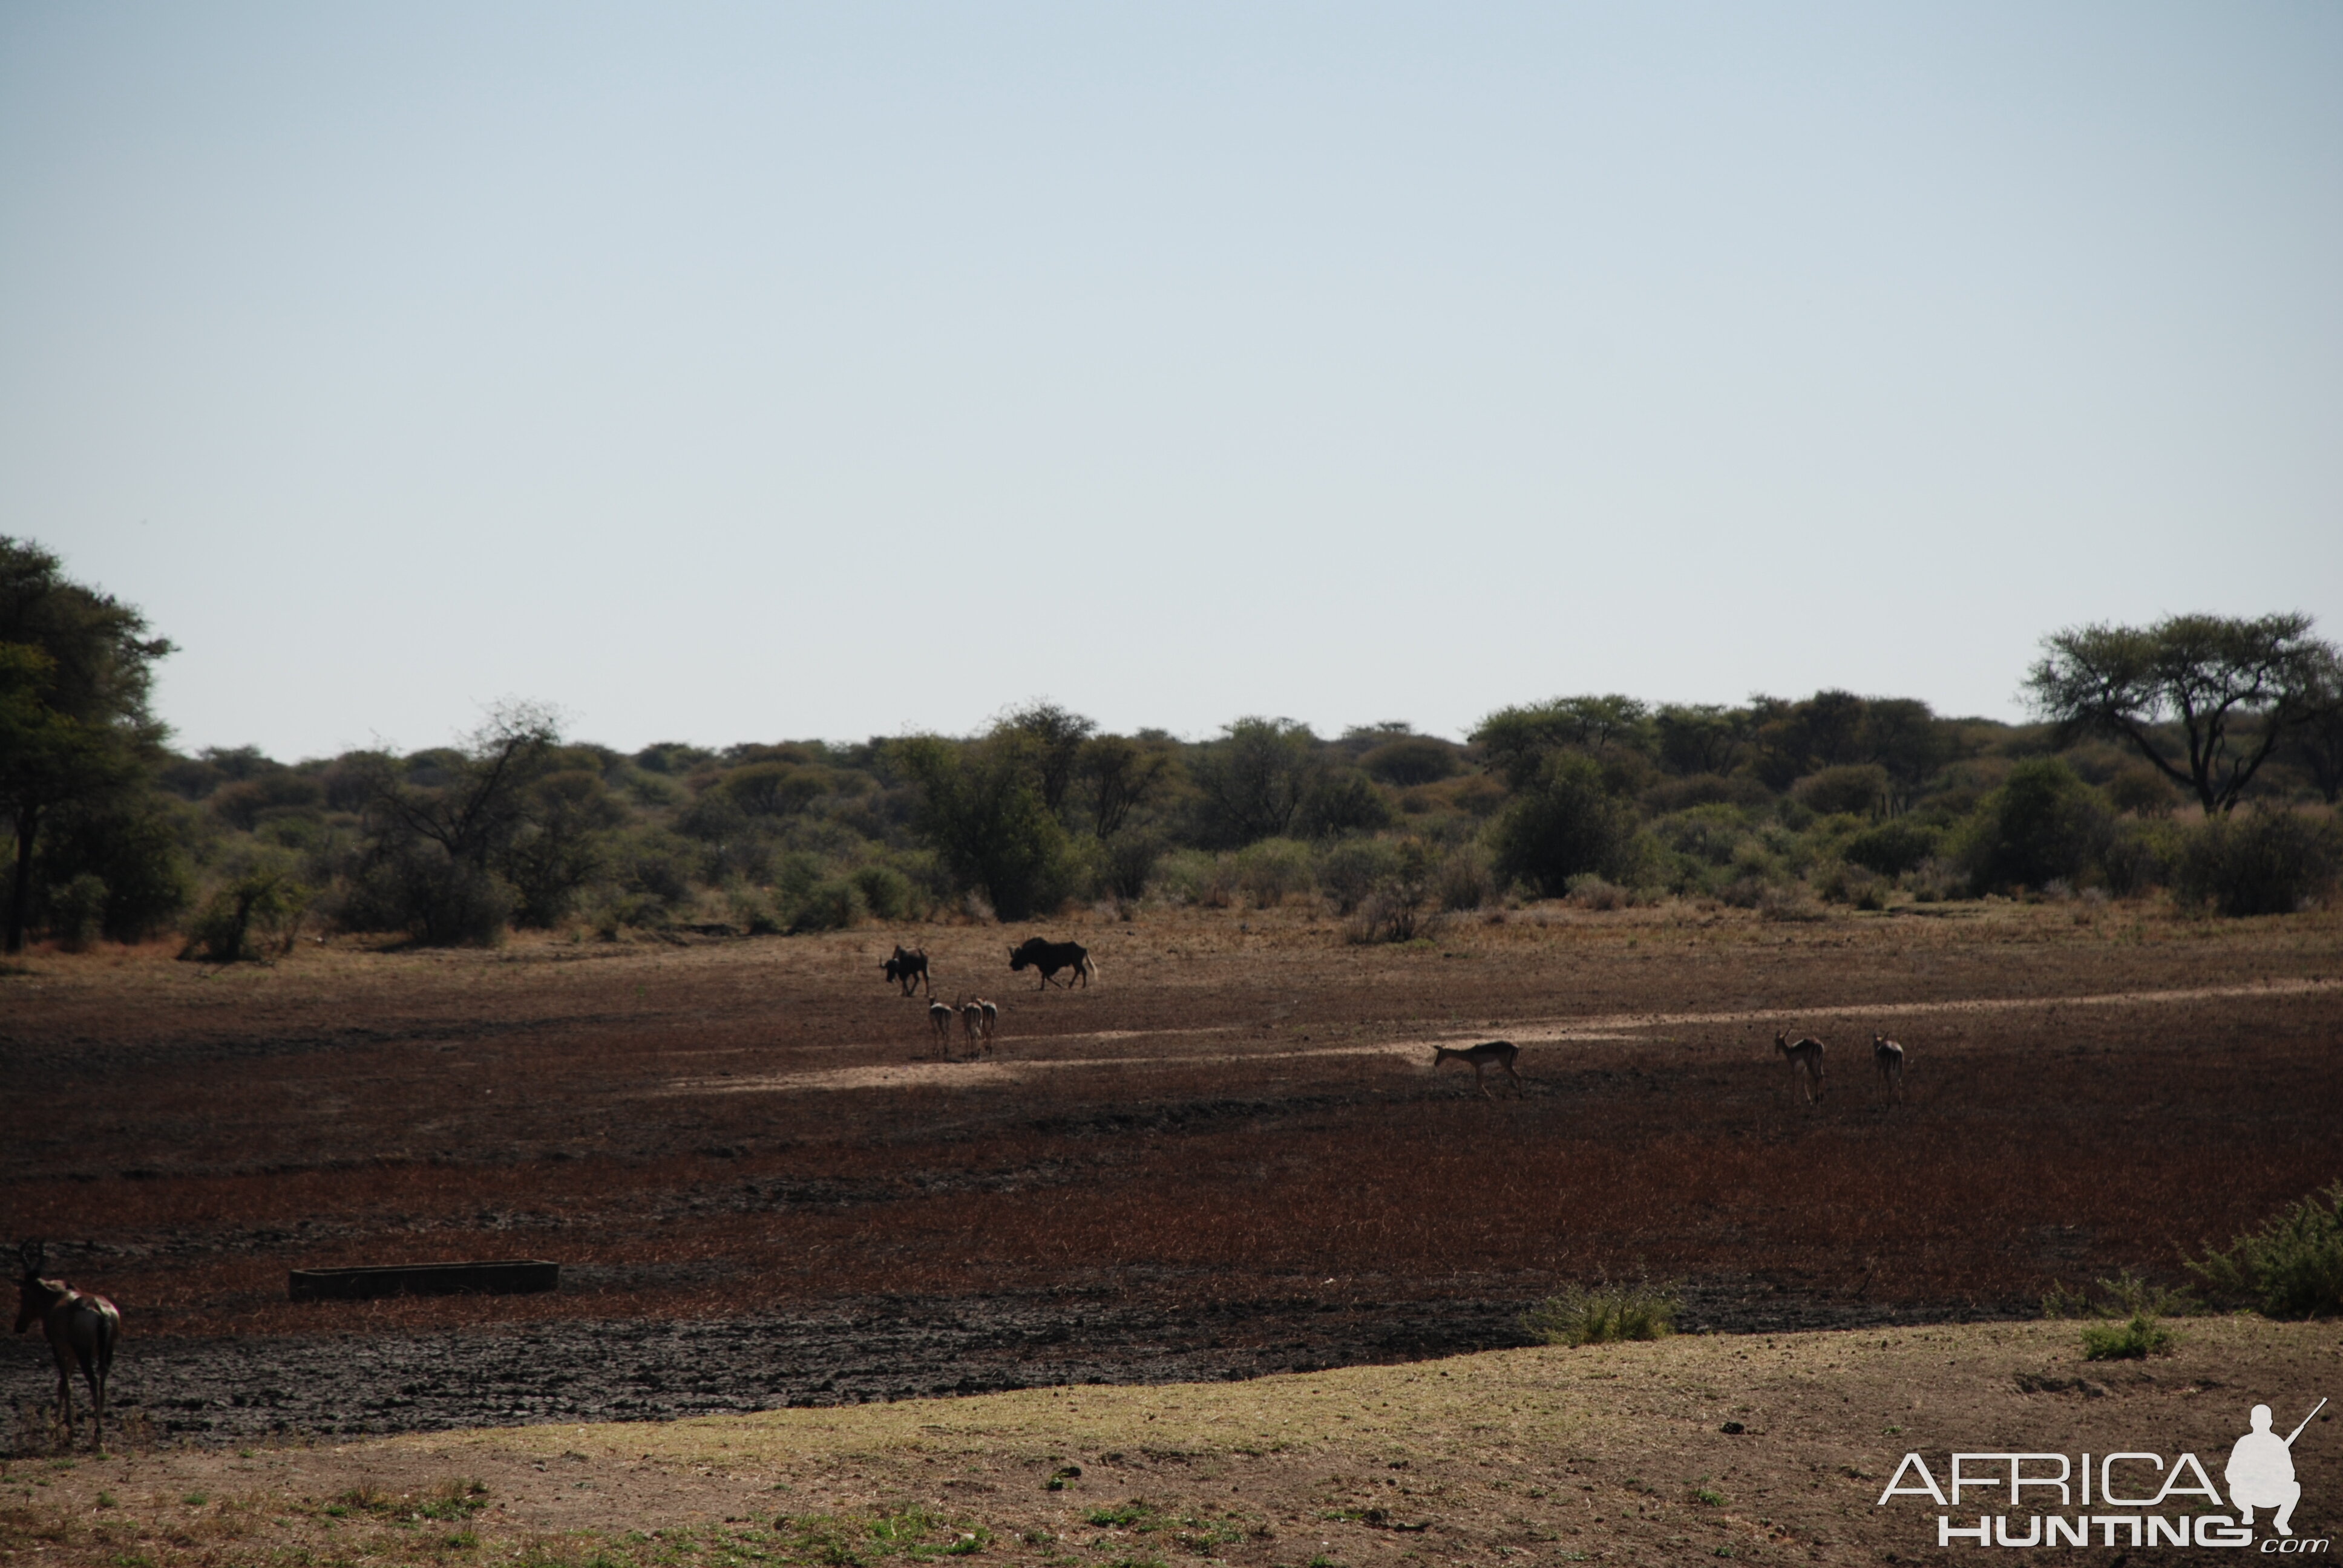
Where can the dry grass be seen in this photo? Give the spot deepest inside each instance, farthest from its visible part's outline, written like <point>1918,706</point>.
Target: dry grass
<point>1771,1448</point>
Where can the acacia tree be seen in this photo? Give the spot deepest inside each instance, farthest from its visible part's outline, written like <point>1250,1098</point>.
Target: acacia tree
<point>2319,739</point>
<point>75,668</point>
<point>2201,673</point>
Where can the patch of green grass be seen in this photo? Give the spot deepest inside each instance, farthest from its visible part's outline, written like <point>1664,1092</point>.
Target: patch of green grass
<point>2141,1337</point>
<point>1135,1514</point>
<point>856,1541</point>
<point>196,1499</point>
<point>1599,1314</point>
<point>453,1499</point>
<point>107,1500</point>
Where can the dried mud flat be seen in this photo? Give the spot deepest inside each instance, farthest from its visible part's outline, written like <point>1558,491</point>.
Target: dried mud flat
<point>244,1390</point>
<point>1228,1158</point>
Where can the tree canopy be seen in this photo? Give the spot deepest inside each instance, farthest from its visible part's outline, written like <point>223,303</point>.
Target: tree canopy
<point>75,670</point>
<point>2198,673</point>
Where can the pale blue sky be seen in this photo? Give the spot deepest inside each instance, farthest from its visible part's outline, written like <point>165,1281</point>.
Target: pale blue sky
<point>726,373</point>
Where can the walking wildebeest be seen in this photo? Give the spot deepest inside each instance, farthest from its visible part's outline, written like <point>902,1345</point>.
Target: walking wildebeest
<point>81,1328</point>
<point>1051,957</point>
<point>908,967</point>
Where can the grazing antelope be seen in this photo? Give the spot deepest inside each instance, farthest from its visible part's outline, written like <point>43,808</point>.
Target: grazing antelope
<point>1805,1060</point>
<point>1888,1057</point>
<point>939,1018</point>
<point>81,1328</point>
<point>991,1021</point>
<point>908,967</point>
<point>1501,1051</point>
<point>971,1022</point>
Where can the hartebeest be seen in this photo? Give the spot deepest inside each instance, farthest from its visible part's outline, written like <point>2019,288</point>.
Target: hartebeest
<point>1888,1057</point>
<point>81,1328</point>
<point>1805,1060</point>
<point>1501,1051</point>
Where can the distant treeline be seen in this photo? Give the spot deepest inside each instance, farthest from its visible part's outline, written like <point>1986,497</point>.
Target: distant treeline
<point>1777,804</point>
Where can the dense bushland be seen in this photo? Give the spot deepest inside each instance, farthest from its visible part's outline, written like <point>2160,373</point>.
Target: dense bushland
<point>1778,805</point>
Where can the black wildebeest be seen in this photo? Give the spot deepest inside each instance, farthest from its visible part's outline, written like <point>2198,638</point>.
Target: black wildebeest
<point>81,1328</point>
<point>908,967</point>
<point>1051,957</point>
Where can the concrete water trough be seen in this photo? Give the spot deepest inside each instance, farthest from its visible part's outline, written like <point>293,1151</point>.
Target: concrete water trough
<point>501,1277</point>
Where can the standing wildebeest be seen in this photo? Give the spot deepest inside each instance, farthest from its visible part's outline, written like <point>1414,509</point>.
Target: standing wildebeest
<point>908,967</point>
<point>1051,957</point>
<point>81,1328</point>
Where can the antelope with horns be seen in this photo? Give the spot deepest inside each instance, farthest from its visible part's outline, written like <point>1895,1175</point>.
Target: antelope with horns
<point>1805,1060</point>
<point>81,1328</point>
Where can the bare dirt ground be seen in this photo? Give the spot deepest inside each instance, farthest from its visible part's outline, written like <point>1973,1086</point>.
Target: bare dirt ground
<point>1230,1157</point>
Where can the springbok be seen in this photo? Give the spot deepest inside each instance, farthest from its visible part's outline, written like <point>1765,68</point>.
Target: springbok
<point>1805,1060</point>
<point>1888,1057</point>
<point>939,1018</point>
<point>81,1328</point>
<point>1501,1051</point>
<point>971,1022</point>
<point>990,1022</point>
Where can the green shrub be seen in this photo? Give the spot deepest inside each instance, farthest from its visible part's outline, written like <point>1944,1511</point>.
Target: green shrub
<point>438,901</point>
<point>1844,882</point>
<point>2139,855</point>
<point>1270,871</point>
<point>260,910</point>
<point>1199,877</point>
<point>1598,1315</point>
<point>2125,1296</point>
<point>831,904</point>
<point>1860,789</point>
<point>2044,824</point>
<point>2140,1337</point>
<point>2290,1268</point>
<point>1126,862</point>
<point>77,912</point>
<point>1564,824</point>
<point>1709,834</point>
<point>1349,870</point>
<point>1893,848</point>
<point>1464,880</point>
<point>886,893</point>
<point>2265,862</point>
<point>1410,760</point>
<point>1339,801</point>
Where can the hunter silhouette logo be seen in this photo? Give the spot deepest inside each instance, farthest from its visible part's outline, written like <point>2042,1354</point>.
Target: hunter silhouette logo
<point>2130,1498</point>
<point>2260,1473</point>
